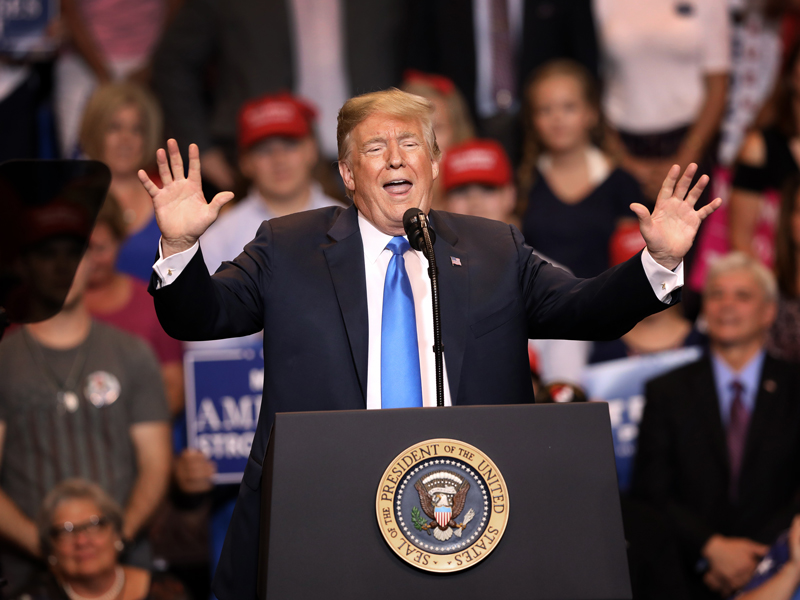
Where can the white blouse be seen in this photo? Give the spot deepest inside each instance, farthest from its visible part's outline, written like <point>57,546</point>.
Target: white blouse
<point>655,55</point>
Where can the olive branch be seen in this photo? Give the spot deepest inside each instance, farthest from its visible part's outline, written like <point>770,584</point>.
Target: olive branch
<point>416,518</point>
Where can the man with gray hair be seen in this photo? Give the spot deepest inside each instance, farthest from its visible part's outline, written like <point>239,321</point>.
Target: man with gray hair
<point>719,443</point>
<point>346,306</point>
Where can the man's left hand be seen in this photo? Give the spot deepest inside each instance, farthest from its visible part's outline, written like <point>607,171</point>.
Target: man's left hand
<point>670,230</point>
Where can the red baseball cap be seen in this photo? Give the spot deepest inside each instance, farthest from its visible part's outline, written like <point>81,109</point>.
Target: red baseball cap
<point>274,114</point>
<point>440,83</point>
<point>482,162</point>
<point>55,219</point>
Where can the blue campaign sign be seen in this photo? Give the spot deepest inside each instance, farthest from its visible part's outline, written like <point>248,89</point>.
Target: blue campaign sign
<point>23,26</point>
<point>621,383</point>
<point>223,400</point>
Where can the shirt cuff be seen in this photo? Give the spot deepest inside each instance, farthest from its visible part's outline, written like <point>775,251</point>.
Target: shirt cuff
<point>168,269</point>
<point>662,280</point>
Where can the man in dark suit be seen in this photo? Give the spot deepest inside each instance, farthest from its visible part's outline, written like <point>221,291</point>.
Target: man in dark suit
<point>314,282</point>
<point>719,445</point>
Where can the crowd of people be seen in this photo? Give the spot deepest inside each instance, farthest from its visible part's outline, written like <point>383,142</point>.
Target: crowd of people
<point>552,116</point>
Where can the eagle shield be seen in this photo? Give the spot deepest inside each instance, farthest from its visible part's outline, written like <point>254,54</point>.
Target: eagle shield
<point>442,495</point>
<point>443,515</point>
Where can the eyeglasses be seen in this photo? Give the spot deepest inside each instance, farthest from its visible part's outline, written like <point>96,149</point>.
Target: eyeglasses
<point>92,528</point>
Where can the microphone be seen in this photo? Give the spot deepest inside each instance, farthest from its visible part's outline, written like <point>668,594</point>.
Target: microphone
<point>414,222</point>
<point>421,237</point>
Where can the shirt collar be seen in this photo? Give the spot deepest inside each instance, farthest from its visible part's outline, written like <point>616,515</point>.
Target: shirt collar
<point>372,238</point>
<point>748,375</point>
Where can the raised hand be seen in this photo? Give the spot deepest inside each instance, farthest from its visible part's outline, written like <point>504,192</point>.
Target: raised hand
<point>670,231</point>
<point>182,212</point>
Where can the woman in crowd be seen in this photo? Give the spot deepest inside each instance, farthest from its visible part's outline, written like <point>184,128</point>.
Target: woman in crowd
<point>768,159</point>
<point>665,68</point>
<point>80,535</point>
<point>122,128</point>
<point>784,339</point>
<point>123,301</point>
<point>572,197</point>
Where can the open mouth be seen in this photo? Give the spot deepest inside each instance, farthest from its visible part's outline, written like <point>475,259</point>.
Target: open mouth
<point>398,187</point>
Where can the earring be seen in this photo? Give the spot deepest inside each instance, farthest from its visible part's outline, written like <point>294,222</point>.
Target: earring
<point>119,545</point>
<point>52,560</point>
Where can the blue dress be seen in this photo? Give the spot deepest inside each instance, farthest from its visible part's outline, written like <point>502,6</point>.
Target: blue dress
<point>138,252</point>
<point>577,235</point>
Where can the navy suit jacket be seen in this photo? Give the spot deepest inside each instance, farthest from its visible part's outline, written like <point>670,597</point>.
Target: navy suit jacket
<point>302,280</point>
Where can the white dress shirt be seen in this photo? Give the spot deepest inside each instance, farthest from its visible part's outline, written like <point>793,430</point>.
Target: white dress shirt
<point>376,261</point>
<point>234,228</point>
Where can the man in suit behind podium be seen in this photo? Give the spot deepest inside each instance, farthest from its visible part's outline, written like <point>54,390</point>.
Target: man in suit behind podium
<point>346,305</point>
<point>719,443</point>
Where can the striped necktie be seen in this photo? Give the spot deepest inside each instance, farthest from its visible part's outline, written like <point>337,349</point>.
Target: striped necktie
<point>736,436</point>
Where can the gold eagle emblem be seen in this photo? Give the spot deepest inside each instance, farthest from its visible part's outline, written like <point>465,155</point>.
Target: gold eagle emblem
<point>442,495</point>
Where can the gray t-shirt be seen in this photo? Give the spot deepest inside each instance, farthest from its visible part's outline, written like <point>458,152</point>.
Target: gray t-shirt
<point>115,383</point>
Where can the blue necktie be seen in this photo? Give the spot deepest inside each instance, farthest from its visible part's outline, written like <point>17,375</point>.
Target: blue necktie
<point>401,384</point>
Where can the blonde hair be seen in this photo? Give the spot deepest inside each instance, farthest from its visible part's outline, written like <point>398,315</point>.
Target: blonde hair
<point>739,261</point>
<point>457,111</point>
<point>392,102</point>
<point>104,104</point>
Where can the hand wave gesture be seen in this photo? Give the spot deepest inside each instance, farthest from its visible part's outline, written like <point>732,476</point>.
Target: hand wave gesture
<point>182,212</point>
<point>670,230</point>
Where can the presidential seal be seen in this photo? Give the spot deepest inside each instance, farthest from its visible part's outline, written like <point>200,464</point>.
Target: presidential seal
<point>442,505</point>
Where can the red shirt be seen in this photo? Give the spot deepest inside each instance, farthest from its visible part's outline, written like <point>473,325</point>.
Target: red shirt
<point>138,317</point>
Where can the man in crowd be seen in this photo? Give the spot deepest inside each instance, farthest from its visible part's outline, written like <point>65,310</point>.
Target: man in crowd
<point>477,181</point>
<point>277,152</point>
<point>317,282</point>
<point>719,443</point>
<point>77,399</point>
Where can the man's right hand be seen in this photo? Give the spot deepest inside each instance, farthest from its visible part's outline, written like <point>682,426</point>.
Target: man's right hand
<point>732,560</point>
<point>182,212</point>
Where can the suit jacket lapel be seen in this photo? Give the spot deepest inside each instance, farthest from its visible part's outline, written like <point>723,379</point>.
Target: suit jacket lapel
<point>345,257</point>
<point>453,299</point>
<point>706,394</point>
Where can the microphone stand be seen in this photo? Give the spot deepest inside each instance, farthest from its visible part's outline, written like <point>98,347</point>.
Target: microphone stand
<point>438,347</point>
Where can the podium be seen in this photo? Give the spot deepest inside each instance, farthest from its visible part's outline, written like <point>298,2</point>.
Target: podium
<point>563,535</point>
